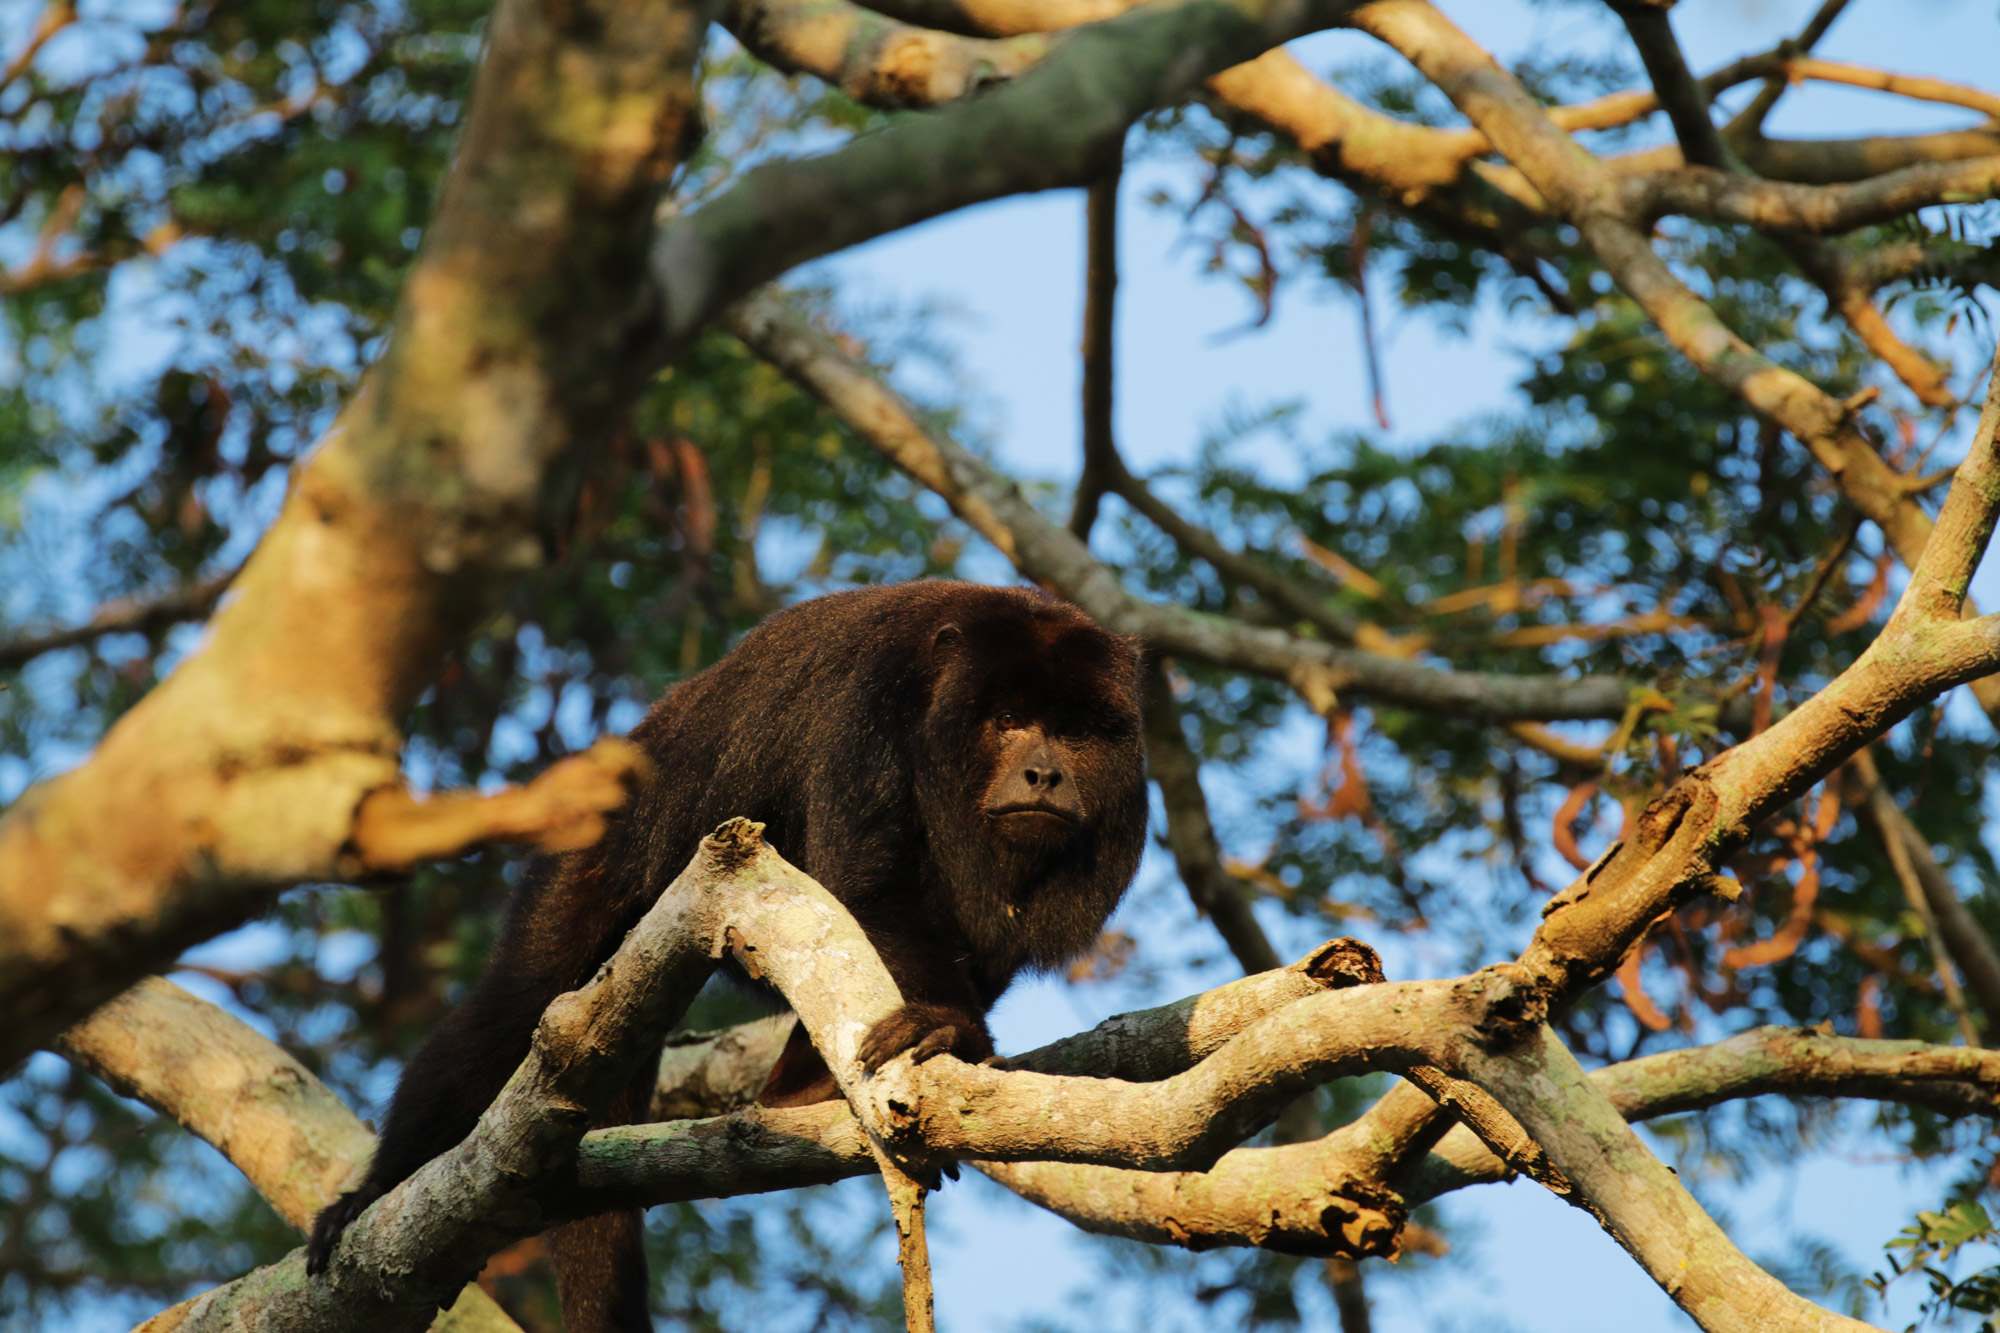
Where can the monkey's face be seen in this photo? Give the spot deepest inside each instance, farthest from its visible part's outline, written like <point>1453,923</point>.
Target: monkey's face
<point>1033,795</point>
<point>1045,729</point>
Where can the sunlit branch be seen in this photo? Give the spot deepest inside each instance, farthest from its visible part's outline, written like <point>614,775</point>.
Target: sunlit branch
<point>562,809</point>
<point>875,60</point>
<point>1062,123</point>
<point>209,1072</point>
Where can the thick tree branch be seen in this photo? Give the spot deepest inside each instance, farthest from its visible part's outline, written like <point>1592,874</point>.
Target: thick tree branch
<point>1050,554</point>
<point>520,335</point>
<point>1274,1197</point>
<point>1639,1200</point>
<point>411,1248</point>
<point>708,1073</point>
<point>1324,1197</point>
<point>210,1073</point>
<point>1060,124</point>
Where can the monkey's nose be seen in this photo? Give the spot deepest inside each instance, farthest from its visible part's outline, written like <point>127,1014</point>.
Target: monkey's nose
<point>1042,779</point>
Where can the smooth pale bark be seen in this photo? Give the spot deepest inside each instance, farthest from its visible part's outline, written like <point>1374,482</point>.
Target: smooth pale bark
<point>202,1067</point>
<point>522,331</point>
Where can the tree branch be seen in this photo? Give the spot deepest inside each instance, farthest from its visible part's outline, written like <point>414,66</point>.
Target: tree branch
<point>875,60</point>
<point>1679,93</point>
<point>1640,1202</point>
<point>1680,839</point>
<point>1586,194</point>
<point>1217,894</point>
<point>1062,123</point>
<point>519,337</point>
<point>565,808</point>
<point>1963,940</point>
<point>1100,305</point>
<point>1779,206</point>
<point>1749,122</point>
<point>1049,554</point>
<point>411,1248</point>
<point>207,1071</point>
<point>127,615</point>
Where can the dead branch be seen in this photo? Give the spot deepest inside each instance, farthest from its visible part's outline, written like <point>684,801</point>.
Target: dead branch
<point>563,809</point>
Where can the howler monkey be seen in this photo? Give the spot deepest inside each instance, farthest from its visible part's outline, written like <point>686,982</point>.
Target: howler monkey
<point>961,766</point>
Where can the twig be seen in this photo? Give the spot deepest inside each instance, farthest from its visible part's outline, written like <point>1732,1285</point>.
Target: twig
<point>1100,450</point>
<point>127,615</point>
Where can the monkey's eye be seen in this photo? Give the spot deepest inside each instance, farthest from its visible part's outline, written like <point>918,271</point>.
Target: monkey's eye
<point>1006,721</point>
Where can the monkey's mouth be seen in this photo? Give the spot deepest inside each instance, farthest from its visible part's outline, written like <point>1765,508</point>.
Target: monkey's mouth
<point>1030,815</point>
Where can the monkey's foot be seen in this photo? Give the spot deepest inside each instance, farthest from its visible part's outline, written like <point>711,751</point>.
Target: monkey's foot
<point>926,1030</point>
<point>331,1222</point>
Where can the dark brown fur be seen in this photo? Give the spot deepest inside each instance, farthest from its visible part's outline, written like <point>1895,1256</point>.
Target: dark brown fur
<point>961,766</point>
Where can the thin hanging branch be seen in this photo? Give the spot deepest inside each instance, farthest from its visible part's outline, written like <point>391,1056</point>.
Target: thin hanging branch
<point>1100,301</point>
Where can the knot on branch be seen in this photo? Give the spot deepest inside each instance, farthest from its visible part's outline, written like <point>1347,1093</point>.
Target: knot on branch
<point>1503,1004</point>
<point>1660,820</point>
<point>1360,1221</point>
<point>1341,963</point>
<point>734,844</point>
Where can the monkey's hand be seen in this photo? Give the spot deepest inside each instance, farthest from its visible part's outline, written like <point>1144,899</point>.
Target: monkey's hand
<point>331,1222</point>
<point>925,1030</point>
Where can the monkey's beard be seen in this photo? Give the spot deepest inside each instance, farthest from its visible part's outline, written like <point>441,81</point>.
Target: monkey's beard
<point>1023,897</point>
